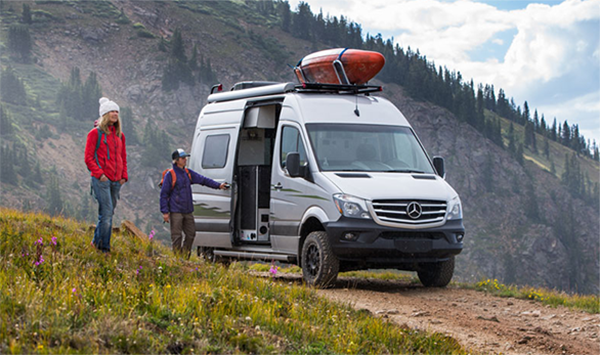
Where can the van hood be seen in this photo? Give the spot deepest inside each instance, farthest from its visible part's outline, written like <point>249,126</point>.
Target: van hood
<point>377,186</point>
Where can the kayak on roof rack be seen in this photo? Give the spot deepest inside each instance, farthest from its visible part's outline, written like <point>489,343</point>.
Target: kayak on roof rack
<point>339,66</point>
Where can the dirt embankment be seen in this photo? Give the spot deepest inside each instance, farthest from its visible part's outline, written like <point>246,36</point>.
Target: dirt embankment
<point>479,321</point>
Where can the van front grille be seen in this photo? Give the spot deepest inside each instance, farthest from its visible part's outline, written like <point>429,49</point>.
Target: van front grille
<point>410,211</point>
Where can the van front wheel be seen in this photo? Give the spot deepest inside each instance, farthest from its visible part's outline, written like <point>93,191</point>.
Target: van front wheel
<point>436,274</point>
<point>319,265</point>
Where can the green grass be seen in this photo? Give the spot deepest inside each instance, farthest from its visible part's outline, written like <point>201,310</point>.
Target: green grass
<point>142,299</point>
<point>587,303</point>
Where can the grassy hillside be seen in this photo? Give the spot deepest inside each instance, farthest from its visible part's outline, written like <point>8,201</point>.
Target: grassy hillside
<point>58,295</point>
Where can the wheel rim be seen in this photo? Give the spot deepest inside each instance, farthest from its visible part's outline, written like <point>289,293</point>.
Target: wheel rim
<point>313,260</point>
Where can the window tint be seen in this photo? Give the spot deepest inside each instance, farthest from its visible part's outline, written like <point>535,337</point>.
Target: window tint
<point>291,141</point>
<point>215,151</point>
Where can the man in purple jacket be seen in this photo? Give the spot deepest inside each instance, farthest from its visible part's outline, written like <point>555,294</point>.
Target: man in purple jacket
<point>176,202</point>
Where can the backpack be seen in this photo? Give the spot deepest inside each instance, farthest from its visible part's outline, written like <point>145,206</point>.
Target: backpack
<point>100,135</point>
<point>173,177</point>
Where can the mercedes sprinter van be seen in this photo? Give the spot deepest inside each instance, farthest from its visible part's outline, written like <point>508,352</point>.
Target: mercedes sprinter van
<point>328,177</point>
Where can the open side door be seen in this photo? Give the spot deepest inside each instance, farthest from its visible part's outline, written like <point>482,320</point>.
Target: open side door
<point>250,201</point>
<point>212,156</point>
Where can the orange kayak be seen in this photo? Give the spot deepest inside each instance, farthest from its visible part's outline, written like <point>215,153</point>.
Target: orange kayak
<point>339,66</point>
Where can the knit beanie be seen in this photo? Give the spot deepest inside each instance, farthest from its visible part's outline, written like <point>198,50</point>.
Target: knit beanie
<point>106,106</point>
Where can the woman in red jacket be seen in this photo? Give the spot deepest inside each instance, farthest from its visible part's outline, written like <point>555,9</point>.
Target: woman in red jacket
<point>106,159</point>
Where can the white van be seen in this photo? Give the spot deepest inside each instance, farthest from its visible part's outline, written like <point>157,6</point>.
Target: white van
<point>327,177</point>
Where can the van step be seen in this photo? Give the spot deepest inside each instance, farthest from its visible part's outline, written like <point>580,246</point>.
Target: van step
<point>255,256</point>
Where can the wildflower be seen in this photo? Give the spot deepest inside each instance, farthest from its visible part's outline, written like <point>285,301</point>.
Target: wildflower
<point>39,241</point>
<point>74,290</point>
<point>273,269</point>
<point>38,263</point>
<point>54,240</point>
<point>151,235</point>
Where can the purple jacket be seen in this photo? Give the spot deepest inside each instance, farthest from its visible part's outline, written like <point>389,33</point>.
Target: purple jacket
<point>179,198</point>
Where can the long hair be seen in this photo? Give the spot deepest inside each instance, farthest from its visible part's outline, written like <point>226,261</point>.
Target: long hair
<point>103,124</point>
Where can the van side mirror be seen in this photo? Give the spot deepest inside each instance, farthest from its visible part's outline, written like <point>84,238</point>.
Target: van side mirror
<point>438,164</point>
<point>292,163</point>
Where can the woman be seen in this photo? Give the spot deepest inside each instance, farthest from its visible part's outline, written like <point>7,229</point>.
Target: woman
<point>106,159</point>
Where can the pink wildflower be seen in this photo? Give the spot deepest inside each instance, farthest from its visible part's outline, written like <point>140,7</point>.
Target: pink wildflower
<point>39,241</point>
<point>151,235</point>
<point>38,263</point>
<point>54,240</point>
<point>74,290</point>
<point>273,269</point>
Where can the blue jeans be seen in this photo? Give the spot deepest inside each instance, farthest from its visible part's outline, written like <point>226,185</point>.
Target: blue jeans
<point>107,194</point>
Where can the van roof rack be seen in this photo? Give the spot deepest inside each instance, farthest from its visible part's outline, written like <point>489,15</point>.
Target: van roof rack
<point>337,88</point>
<point>260,88</point>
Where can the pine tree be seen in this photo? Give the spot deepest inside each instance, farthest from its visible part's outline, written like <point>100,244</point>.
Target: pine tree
<point>26,16</point>
<point>37,174</point>
<point>19,41</point>
<point>91,93</point>
<point>531,205</point>
<point>193,62</point>
<point>54,200</point>
<point>519,154</point>
<point>7,170</point>
<point>177,69</point>
<point>12,89</point>
<point>6,125</point>
<point>79,101</point>
<point>301,21</point>
<point>487,175</point>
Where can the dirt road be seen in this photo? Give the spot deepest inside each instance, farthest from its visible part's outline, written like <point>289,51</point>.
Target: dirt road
<point>479,321</point>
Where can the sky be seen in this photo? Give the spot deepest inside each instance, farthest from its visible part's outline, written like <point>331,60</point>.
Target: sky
<point>544,52</point>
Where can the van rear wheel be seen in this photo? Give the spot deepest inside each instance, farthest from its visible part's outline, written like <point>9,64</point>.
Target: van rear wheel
<point>436,274</point>
<point>319,265</point>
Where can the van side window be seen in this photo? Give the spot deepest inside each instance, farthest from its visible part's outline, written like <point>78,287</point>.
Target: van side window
<point>291,141</point>
<point>215,151</point>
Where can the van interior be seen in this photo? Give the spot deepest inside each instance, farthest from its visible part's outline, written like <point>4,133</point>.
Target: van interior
<point>252,174</point>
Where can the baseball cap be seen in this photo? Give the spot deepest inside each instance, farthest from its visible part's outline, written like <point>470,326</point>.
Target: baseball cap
<point>179,153</point>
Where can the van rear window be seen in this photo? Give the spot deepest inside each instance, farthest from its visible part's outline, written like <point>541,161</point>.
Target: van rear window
<point>215,151</point>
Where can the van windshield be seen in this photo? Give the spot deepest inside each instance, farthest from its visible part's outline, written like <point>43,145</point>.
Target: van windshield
<point>360,147</point>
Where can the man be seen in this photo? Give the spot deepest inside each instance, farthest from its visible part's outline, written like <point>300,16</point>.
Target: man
<point>176,201</point>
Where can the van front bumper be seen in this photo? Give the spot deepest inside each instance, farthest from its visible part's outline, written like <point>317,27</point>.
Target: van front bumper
<point>367,242</point>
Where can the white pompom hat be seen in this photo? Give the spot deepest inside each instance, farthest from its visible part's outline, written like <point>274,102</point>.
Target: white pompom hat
<point>106,106</point>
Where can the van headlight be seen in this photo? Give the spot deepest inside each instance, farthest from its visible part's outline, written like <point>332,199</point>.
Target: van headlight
<point>351,206</point>
<point>454,209</point>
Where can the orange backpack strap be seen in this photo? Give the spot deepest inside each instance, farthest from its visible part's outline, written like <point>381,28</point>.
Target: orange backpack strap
<point>173,178</point>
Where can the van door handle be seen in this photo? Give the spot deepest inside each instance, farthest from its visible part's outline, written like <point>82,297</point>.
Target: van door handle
<point>278,186</point>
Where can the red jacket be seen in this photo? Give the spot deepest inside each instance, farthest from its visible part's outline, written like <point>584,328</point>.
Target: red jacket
<point>112,155</point>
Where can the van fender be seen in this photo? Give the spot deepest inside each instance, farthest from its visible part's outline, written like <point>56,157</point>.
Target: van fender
<point>313,220</point>
<point>314,212</point>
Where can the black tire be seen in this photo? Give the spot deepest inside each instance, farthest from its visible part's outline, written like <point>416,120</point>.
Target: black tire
<point>436,274</point>
<point>319,265</point>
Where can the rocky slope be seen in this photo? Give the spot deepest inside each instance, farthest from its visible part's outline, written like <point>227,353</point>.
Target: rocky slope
<point>557,249</point>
